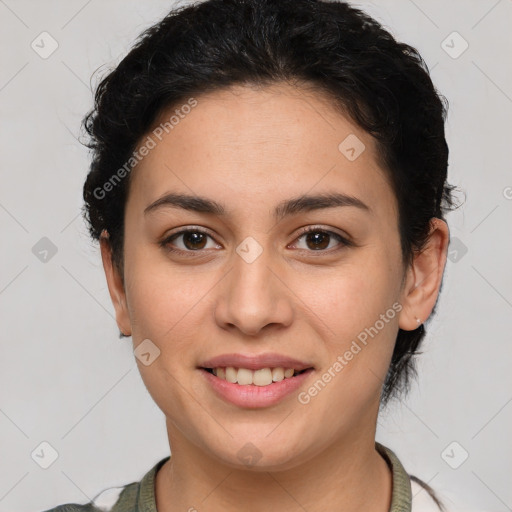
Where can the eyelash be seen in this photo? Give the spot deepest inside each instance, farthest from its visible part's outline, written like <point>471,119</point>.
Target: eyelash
<point>310,229</point>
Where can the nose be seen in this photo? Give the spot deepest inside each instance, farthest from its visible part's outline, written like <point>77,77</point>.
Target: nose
<point>254,296</point>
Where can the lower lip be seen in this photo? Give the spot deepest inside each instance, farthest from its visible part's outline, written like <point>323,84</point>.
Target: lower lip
<point>252,396</point>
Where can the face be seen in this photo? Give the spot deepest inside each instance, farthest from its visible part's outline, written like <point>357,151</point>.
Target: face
<point>247,288</point>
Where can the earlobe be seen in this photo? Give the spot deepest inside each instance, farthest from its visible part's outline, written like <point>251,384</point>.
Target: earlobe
<point>115,285</point>
<point>424,278</point>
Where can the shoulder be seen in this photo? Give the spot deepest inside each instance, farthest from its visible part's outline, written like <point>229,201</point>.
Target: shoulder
<point>71,507</point>
<point>127,498</point>
<point>409,492</point>
<point>424,498</point>
<point>114,499</point>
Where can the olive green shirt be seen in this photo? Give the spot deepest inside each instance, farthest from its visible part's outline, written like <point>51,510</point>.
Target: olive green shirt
<point>140,496</point>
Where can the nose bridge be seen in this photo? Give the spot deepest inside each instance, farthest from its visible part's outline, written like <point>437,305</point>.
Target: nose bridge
<point>252,296</point>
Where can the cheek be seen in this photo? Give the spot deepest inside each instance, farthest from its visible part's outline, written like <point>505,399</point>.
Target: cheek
<point>163,298</point>
<point>360,309</point>
<point>354,295</point>
<point>357,308</point>
<point>165,305</point>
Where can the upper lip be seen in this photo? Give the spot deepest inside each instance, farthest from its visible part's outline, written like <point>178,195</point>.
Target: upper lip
<point>255,362</point>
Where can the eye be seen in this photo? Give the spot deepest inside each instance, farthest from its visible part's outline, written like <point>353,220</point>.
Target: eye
<point>318,239</point>
<point>192,240</point>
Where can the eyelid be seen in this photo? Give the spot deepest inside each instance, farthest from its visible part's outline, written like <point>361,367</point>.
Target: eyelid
<point>345,241</point>
<point>182,231</point>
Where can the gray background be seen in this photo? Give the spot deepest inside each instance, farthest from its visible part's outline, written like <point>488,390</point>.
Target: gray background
<point>68,380</point>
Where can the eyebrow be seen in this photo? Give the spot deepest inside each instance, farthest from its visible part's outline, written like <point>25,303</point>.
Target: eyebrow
<point>294,206</point>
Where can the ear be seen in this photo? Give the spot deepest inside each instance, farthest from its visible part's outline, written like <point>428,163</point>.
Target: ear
<point>424,278</point>
<point>115,285</point>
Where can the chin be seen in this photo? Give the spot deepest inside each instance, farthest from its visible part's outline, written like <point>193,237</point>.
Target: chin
<point>260,454</point>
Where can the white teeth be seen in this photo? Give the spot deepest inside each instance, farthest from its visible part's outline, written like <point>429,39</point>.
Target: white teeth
<point>261,377</point>
<point>277,374</point>
<point>231,374</point>
<point>244,376</point>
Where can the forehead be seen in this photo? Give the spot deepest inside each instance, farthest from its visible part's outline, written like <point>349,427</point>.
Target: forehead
<point>260,144</point>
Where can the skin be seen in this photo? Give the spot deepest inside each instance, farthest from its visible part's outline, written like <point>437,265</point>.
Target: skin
<point>249,149</point>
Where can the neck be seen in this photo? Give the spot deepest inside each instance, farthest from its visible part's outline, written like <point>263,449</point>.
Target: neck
<point>348,476</point>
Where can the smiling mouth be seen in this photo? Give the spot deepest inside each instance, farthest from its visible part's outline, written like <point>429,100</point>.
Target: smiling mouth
<point>260,377</point>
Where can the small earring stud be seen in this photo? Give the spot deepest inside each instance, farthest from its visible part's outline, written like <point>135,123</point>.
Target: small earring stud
<point>418,320</point>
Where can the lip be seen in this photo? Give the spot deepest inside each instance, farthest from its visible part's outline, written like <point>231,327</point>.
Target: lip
<point>255,362</point>
<point>251,396</point>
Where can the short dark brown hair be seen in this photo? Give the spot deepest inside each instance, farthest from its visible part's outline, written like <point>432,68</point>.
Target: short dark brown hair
<point>382,85</point>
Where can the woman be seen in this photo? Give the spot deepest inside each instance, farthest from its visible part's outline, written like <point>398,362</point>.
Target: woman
<point>268,187</point>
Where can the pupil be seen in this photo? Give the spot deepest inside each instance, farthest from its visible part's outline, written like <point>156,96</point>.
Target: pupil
<point>194,238</point>
<point>320,240</point>
<point>316,236</point>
